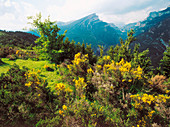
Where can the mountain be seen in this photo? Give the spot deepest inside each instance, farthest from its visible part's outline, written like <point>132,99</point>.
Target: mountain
<point>20,39</point>
<point>153,33</point>
<point>91,30</point>
<point>152,20</point>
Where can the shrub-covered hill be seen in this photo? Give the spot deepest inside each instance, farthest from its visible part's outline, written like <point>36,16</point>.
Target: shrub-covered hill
<point>19,39</point>
<point>81,90</point>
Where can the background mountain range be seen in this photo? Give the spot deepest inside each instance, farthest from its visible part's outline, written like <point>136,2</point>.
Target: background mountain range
<point>152,33</point>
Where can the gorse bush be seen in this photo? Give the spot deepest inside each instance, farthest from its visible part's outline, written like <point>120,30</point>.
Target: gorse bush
<point>24,96</point>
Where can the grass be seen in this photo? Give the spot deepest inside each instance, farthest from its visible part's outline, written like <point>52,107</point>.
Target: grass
<point>2,33</point>
<point>51,76</point>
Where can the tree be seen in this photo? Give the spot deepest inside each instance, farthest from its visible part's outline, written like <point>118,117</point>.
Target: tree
<point>122,51</point>
<point>165,62</point>
<point>50,42</point>
<point>142,59</point>
<point>137,58</point>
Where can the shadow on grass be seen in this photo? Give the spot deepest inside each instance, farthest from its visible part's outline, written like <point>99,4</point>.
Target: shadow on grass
<point>1,62</point>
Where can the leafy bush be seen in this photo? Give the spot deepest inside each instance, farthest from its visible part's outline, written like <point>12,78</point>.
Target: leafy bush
<point>24,96</point>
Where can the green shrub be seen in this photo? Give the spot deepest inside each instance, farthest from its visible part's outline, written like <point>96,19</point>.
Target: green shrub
<point>24,96</point>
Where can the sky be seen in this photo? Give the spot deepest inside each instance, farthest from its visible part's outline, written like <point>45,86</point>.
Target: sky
<point>14,13</point>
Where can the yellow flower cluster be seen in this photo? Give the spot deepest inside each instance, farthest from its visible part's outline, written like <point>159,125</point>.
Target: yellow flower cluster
<point>138,72</point>
<point>98,66</point>
<point>32,77</point>
<point>148,99</point>
<point>106,58</point>
<point>78,58</point>
<point>64,107</point>
<point>137,126</point>
<point>68,90</point>
<point>150,114</point>
<point>121,62</point>
<point>145,118</point>
<point>80,83</point>
<point>28,84</point>
<point>60,112</point>
<point>60,86</point>
<point>90,71</point>
<point>69,67</point>
<point>124,68</point>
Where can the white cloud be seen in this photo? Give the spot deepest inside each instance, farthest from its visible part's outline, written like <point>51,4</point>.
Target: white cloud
<point>7,3</point>
<point>126,18</point>
<point>13,15</point>
<point>72,9</point>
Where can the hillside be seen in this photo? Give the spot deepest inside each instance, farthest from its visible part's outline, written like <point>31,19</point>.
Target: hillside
<point>19,39</point>
<point>154,34</point>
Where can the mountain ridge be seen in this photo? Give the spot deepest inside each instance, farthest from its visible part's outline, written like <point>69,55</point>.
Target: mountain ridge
<point>92,30</point>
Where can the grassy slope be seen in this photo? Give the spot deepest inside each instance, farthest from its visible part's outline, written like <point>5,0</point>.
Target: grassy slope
<point>37,65</point>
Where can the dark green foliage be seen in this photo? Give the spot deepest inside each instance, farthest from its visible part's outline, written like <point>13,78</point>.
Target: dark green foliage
<point>142,59</point>
<point>13,53</point>
<point>19,39</point>
<point>49,43</point>
<point>7,50</point>
<point>165,62</point>
<point>70,49</point>
<point>20,102</point>
<point>122,51</point>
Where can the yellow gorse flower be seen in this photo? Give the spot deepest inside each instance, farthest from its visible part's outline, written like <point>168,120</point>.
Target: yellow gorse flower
<point>99,66</point>
<point>80,83</point>
<point>46,66</point>
<point>148,99</point>
<point>28,84</point>
<point>64,107</point>
<point>106,58</point>
<point>60,86</point>
<point>60,112</point>
<point>90,71</point>
<point>78,58</point>
<point>17,51</point>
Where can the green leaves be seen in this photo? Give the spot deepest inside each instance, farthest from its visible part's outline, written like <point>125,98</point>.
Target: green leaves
<point>165,62</point>
<point>49,42</point>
